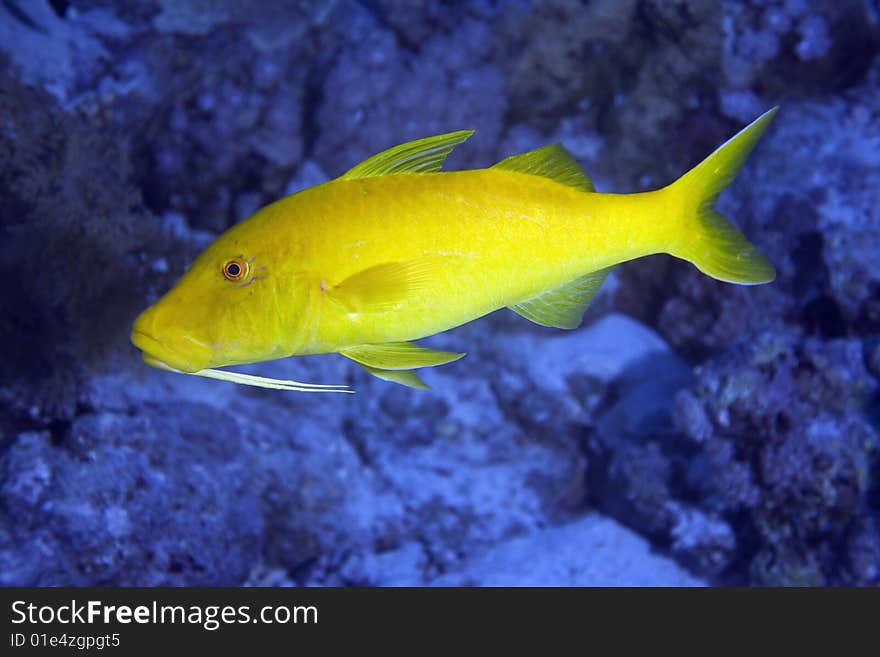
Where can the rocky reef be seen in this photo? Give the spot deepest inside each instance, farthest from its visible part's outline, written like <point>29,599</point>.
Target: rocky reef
<point>692,432</point>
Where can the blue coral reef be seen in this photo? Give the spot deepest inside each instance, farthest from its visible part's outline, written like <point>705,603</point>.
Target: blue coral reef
<point>692,432</point>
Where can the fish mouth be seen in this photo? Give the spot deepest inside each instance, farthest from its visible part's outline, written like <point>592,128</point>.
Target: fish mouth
<point>163,356</point>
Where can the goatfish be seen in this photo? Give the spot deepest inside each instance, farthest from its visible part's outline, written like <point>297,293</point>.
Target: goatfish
<point>395,250</point>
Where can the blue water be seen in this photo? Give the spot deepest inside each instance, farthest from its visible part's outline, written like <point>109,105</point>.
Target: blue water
<point>690,432</point>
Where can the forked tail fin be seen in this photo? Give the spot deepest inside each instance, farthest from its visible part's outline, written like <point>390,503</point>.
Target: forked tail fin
<point>708,239</point>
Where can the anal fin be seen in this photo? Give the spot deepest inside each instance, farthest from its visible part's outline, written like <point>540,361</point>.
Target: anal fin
<point>563,307</point>
<point>406,378</point>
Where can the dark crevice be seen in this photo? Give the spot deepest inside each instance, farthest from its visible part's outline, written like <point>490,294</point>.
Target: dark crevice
<point>313,97</point>
<point>748,542</point>
<point>19,14</point>
<point>302,571</point>
<point>378,12</point>
<point>824,317</point>
<point>60,7</point>
<point>59,430</point>
<point>349,430</point>
<point>819,311</point>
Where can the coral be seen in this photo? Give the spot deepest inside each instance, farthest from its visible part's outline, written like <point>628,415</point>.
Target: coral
<point>664,54</point>
<point>213,140</point>
<point>277,25</point>
<point>378,94</point>
<point>112,504</point>
<point>796,48</point>
<point>816,222</point>
<point>788,421</point>
<point>554,53</point>
<point>77,249</point>
<point>50,49</point>
<point>774,464</point>
<point>414,23</point>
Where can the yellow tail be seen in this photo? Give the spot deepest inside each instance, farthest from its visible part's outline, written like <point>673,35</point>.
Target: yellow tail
<point>708,239</point>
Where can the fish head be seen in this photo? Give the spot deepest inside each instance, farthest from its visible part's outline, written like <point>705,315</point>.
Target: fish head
<point>222,311</point>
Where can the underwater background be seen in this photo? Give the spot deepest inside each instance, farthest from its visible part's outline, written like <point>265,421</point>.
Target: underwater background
<point>691,432</point>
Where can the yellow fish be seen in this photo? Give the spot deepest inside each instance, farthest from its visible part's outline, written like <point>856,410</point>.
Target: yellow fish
<point>395,250</point>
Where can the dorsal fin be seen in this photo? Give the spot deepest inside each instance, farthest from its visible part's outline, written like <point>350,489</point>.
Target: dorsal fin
<point>419,156</point>
<point>552,162</point>
<point>564,306</point>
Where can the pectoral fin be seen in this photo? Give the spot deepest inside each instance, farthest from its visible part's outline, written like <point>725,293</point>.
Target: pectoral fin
<point>398,356</point>
<point>403,377</point>
<point>564,306</point>
<point>379,288</point>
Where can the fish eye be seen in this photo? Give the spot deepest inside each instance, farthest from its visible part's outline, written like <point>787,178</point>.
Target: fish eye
<point>235,269</point>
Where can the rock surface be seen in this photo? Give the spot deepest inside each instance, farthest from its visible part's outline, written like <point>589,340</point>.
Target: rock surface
<point>594,551</point>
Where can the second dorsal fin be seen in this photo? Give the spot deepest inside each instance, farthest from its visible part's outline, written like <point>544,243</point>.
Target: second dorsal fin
<point>552,162</point>
<point>419,156</point>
